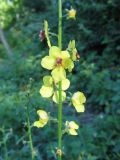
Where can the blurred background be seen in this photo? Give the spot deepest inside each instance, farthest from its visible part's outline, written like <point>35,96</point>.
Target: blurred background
<point>97,74</point>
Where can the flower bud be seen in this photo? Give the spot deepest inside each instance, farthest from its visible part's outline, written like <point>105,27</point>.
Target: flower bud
<point>59,152</point>
<point>71,14</point>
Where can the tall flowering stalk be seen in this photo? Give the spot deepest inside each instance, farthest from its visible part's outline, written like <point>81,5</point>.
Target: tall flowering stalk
<point>60,84</point>
<point>59,62</point>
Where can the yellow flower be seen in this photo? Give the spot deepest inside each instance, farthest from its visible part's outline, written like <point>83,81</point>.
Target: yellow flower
<point>78,100</point>
<point>72,13</point>
<point>72,49</point>
<point>57,61</point>
<point>43,119</point>
<point>71,127</point>
<point>47,90</point>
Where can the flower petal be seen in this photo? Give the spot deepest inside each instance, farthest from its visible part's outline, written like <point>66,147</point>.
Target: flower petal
<point>56,96</point>
<point>78,98</point>
<point>65,84</point>
<point>54,51</point>
<point>58,74</point>
<point>73,125</point>
<point>42,114</point>
<point>82,97</point>
<point>73,132</point>
<point>68,64</point>
<point>48,81</point>
<point>46,92</point>
<point>65,55</point>
<point>80,108</point>
<point>39,124</point>
<point>48,62</point>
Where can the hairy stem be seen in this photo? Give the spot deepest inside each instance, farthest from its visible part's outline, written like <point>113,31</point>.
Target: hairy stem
<point>60,121</point>
<point>60,24</point>
<point>60,83</point>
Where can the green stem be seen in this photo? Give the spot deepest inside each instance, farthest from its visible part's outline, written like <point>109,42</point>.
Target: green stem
<point>29,133</point>
<point>60,24</point>
<point>60,120</point>
<point>60,83</point>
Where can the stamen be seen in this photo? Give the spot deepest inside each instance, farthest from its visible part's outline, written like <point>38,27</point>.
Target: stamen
<point>59,61</point>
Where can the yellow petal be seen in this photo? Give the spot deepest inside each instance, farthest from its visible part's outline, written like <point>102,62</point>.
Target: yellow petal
<point>39,124</point>
<point>48,62</point>
<point>46,92</point>
<point>54,51</point>
<point>65,84</point>
<point>73,125</point>
<point>56,96</point>
<point>78,98</point>
<point>68,64</point>
<point>48,81</point>
<point>58,74</point>
<point>82,97</point>
<point>80,108</point>
<point>65,55</point>
<point>42,114</point>
<point>73,132</point>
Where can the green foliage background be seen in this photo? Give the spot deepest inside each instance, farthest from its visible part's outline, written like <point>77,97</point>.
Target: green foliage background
<point>97,34</point>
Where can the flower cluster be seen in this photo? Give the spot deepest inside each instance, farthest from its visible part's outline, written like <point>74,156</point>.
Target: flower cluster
<point>59,63</point>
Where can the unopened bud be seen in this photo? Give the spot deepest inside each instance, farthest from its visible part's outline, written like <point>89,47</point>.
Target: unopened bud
<point>59,152</point>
